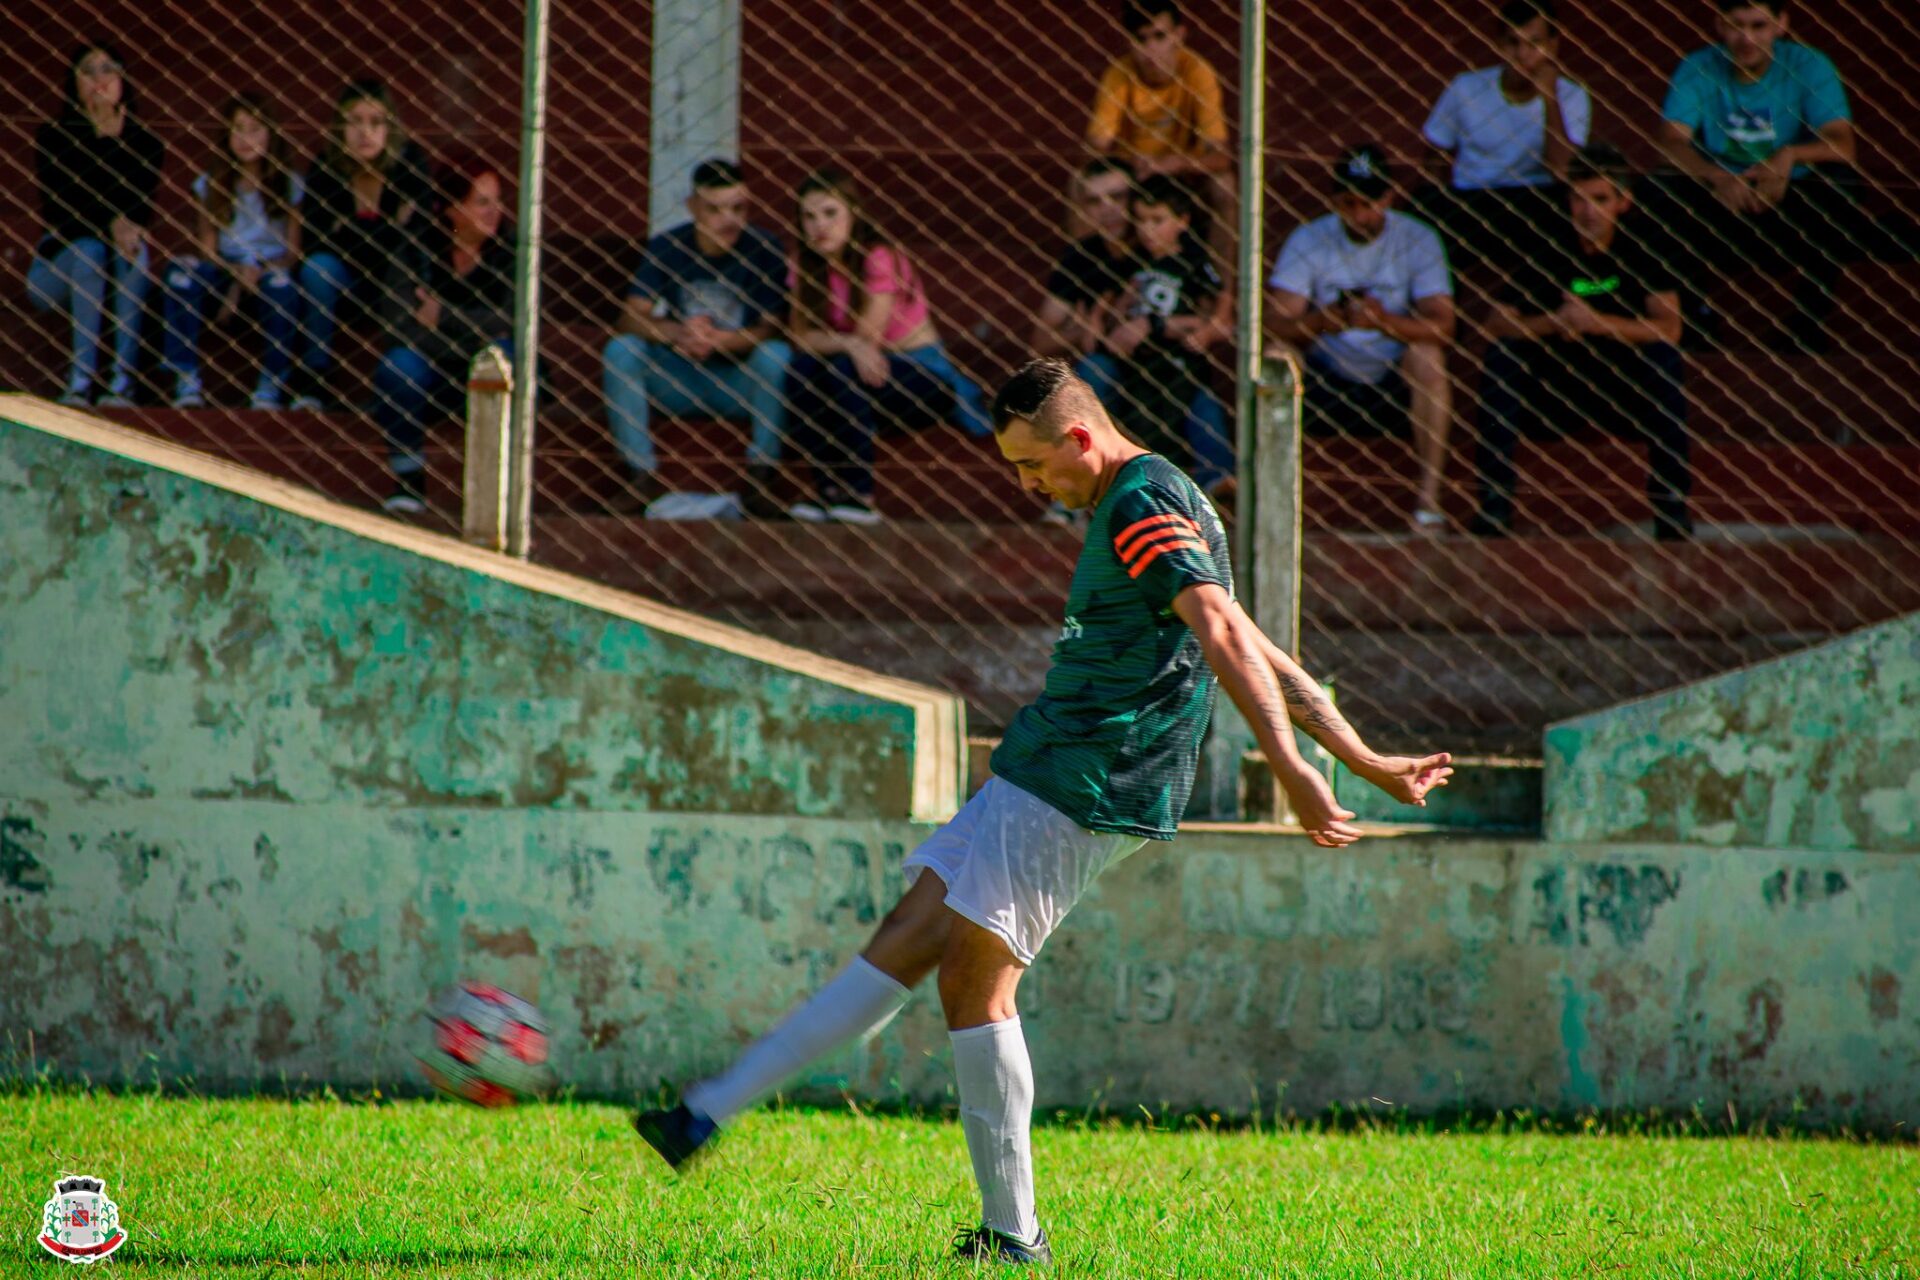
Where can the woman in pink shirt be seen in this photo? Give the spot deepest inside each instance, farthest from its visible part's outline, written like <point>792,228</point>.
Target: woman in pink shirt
<point>866,350</point>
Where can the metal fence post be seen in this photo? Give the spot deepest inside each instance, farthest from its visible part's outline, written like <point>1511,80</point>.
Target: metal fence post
<point>1229,739</point>
<point>1270,521</point>
<point>526,290</point>
<point>485,491</point>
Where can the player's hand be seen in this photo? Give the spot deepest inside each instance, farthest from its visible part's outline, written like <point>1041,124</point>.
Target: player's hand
<point>1315,809</point>
<point>1127,336</point>
<point>869,362</point>
<point>247,276</point>
<point>1768,180</point>
<point>1408,779</point>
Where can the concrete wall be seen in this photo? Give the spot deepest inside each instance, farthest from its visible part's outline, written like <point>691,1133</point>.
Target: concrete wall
<point>272,772</point>
<point>246,941</point>
<point>1816,750</point>
<point>175,629</point>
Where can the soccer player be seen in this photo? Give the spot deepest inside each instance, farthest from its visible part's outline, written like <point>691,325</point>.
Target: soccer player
<point>1100,763</point>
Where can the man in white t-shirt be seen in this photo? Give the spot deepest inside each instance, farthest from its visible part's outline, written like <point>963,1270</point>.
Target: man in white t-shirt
<point>1364,298</point>
<point>1508,131</point>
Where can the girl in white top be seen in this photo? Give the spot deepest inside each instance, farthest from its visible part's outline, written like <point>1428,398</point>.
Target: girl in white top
<point>247,231</point>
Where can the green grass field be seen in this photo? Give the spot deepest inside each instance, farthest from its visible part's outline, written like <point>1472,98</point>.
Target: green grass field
<point>271,1187</point>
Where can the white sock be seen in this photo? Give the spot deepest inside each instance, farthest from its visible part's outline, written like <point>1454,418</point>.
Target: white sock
<point>996,1112</point>
<point>856,1004</point>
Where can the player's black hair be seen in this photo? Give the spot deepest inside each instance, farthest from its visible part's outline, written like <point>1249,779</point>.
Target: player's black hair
<point>1600,160</point>
<point>1137,15</point>
<point>712,174</point>
<point>1101,166</point>
<point>1043,391</point>
<point>1518,13</point>
<point>1167,192</point>
<point>1774,7</point>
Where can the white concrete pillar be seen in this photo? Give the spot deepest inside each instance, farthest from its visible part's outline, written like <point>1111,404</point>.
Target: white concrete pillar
<point>696,99</point>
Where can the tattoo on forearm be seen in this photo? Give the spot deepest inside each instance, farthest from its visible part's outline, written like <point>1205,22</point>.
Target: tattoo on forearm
<point>1315,712</point>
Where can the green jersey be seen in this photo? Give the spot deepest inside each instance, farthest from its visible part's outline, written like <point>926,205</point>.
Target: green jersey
<point>1113,738</point>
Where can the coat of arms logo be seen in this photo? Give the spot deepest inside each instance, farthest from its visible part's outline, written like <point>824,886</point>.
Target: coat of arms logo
<point>82,1225</point>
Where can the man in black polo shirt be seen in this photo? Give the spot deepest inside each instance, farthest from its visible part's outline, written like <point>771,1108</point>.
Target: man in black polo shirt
<point>1588,331</point>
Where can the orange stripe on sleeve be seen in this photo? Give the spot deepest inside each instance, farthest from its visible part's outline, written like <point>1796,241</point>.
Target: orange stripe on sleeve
<point>1172,533</point>
<point>1140,565</point>
<point>1127,535</point>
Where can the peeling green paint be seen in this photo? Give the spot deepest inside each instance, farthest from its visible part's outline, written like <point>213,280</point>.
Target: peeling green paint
<point>192,642</point>
<point>1815,750</point>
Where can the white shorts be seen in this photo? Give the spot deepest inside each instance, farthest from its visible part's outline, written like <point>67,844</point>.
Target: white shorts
<point>1015,865</point>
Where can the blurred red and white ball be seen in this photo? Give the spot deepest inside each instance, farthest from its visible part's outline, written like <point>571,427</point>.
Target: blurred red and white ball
<point>486,1046</point>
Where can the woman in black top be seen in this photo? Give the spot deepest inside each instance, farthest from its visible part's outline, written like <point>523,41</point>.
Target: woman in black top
<point>362,201</point>
<point>448,297</point>
<point>98,169</point>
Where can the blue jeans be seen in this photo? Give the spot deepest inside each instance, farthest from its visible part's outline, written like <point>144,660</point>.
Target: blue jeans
<point>75,280</point>
<point>408,388</point>
<point>195,286</point>
<point>969,402</point>
<point>324,280</point>
<point>1206,425</point>
<point>838,415</point>
<point>637,374</point>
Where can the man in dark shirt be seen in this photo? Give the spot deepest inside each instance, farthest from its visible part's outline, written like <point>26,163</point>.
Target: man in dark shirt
<point>698,337</point>
<point>1175,308</point>
<point>1588,331</point>
<point>1100,763</point>
<point>1075,312</point>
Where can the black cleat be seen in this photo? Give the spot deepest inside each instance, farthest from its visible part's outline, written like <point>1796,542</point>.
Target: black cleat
<point>678,1135</point>
<point>986,1244</point>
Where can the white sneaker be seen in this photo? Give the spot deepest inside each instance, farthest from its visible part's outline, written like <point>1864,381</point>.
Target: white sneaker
<point>306,404</point>
<point>808,512</point>
<point>853,513</point>
<point>403,504</point>
<point>187,392</point>
<point>266,396</point>
<point>78,395</point>
<point>694,506</point>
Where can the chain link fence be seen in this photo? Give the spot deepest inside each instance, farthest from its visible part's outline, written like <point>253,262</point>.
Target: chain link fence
<point>1601,397</point>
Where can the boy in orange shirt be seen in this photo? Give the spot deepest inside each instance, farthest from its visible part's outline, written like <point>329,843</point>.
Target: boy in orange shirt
<point>1158,108</point>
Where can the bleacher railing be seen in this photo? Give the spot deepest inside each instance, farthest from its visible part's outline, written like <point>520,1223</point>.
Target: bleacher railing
<point>1466,588</point>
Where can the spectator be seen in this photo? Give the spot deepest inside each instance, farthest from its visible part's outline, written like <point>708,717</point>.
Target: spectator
<point>1175,308</point>
<point>1076,310</point>
<point>1508,130</point>
<point>361,197</point>
<point>1158,109</point>
<point>97,168</point>
<point>449,295</point>
<point>1588,330</point>
<point>698,336</point>
<point>1761,142</point>
<point>866,348</point>
<point>247,233</point>
<point>1366,292</point>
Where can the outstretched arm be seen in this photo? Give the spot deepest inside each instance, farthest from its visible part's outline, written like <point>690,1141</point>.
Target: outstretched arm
<point>1407,779</point>
<point>1233,648</point>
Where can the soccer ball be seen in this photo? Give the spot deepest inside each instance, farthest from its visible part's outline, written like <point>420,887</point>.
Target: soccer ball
<point>486,1046</point>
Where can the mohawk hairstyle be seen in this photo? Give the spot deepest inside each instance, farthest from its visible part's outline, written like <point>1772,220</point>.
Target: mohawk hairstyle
<point>1047,393</point>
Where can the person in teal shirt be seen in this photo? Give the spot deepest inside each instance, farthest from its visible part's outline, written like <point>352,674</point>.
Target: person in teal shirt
<point>1761,143</point>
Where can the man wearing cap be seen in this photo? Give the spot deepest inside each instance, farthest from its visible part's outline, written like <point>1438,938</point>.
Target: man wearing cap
<point>1364,297</point>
